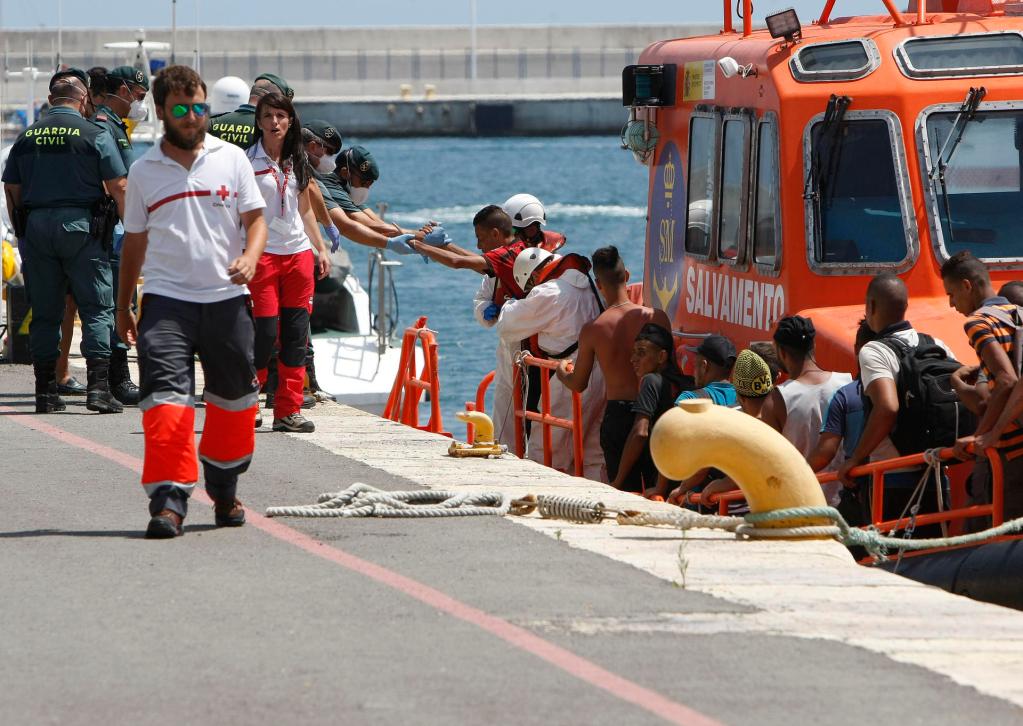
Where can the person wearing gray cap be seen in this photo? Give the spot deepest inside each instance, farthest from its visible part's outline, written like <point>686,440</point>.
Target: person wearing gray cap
<point>59,169</point>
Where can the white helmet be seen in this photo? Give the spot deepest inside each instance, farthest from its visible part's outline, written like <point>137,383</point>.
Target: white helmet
<point>227,94</point>
<point>524,209</point>
<point>527,262</point>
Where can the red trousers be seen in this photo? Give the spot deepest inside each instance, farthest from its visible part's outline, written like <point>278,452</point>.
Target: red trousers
<point>282,298</point>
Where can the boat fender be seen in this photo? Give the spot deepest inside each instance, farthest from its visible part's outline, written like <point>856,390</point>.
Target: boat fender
<point>770,471</point>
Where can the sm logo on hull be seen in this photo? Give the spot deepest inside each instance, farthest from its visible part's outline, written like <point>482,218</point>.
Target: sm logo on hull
<point>666,231</point>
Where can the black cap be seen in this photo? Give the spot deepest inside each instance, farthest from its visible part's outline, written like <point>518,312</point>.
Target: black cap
<point>129,74</point>
<point>658,335</point>
<point>715,348</point>
<point>281,84</point>
<point>326,132</point>
<point>74,72</point>
<point>363,162</point>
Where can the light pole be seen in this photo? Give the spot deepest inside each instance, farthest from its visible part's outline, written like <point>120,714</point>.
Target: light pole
<point>174,30</point>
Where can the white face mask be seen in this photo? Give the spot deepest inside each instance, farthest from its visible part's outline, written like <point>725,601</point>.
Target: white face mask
<point>138,111</point>
<point>359,195</point>
<point>325,164</point>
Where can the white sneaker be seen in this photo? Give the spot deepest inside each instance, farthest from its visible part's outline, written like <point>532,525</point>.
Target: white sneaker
<point>296,423</point>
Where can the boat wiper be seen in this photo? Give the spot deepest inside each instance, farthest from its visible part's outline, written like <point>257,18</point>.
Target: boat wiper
<point>825,135</point>
<point>955,135</point>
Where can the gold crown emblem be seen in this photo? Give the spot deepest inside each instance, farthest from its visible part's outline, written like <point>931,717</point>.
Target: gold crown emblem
<point>669,175</point>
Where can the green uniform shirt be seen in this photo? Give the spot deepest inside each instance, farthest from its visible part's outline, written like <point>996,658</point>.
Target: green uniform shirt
<point>337,188</point>
<point>328,200</point>
<point>62,160</point>
<point>236,127</point>
<point>118,129</point>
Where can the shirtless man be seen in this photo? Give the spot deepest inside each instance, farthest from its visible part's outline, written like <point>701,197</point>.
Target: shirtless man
<point>608,340</point>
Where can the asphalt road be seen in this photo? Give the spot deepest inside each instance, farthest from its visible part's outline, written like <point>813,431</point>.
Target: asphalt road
<point>473,620</point>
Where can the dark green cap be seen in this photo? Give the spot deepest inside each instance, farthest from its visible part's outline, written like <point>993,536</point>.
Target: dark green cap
<point>75,72</point>
<point>279,82</point>
<point>359,158</point>
<point>130,75</point>
<point>325,132</point>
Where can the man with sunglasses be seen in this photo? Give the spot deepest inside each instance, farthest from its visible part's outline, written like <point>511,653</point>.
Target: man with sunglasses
<point>58,169</point>
<point>189,200</point>
<point>120,94</point>
<point>238,127</point>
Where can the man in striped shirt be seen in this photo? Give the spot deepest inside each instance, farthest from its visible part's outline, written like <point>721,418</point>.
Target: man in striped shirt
<point>991,322</point>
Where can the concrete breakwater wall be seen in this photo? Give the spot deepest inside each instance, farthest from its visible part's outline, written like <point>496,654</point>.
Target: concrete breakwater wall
<point>467,116</point>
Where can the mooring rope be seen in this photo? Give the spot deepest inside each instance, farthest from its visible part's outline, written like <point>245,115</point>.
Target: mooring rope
<point>362,500</point>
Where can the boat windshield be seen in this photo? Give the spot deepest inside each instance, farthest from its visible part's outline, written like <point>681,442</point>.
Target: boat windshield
<point>979,198</point>
<point>855,205</point>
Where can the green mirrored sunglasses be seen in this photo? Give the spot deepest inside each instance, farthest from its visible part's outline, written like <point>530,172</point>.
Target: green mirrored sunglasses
<point>181,110</point>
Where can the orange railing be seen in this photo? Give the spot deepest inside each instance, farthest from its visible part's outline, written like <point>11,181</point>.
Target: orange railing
<point>409,385</point>
<point>876,471</point>
<point>544,417</point>
<point>480,404</point>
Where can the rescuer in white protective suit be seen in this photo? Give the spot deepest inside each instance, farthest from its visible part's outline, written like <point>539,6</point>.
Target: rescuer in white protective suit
<point>560,299</point>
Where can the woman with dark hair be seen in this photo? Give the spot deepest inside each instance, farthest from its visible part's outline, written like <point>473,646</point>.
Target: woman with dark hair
<point>282,290</point>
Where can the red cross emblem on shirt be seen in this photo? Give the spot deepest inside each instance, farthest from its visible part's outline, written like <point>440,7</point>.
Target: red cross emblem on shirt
<point>222,193</point>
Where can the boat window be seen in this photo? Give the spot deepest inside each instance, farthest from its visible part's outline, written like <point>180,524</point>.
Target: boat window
<point>986,54</point>
<point>847,60</point>
<point>700,197</point>
<point>978,197</point>
<point>856,213</point>
<point>734,150</point>
<point>767,212</point>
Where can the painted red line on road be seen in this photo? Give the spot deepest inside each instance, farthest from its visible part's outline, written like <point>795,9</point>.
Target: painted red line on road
<point>573,664</point>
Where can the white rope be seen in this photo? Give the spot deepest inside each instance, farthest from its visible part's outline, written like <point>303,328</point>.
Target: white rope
<point>682,519</point>
<point>362,500</point>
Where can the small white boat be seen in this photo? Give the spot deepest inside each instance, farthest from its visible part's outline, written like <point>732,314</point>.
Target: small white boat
<point>353,335</point>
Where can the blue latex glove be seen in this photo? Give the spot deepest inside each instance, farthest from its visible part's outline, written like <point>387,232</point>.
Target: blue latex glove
<point>491,312</point>
<point>335,237</point>
<point>399,245</point>
<point>437,238</point>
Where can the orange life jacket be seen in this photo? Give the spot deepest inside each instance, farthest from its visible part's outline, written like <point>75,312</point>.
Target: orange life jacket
<point>571,261</point>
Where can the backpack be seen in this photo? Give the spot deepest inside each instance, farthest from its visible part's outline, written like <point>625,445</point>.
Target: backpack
<point>930,413</point>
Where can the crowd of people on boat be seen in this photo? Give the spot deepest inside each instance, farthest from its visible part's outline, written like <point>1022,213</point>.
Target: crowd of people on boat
<point>908,394</point>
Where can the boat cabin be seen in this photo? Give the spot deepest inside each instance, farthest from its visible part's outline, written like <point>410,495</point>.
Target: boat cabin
<point>790,164</point>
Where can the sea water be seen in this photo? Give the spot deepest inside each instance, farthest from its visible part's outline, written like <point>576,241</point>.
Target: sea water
<point>594,192</point>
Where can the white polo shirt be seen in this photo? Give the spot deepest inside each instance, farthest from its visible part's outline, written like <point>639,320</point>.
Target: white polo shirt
<point>286,233</point>
<point>193,219</point>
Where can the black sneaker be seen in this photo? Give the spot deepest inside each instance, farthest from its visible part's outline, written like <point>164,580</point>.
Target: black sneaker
<point>126,392</point>
<point>165,525</point>
<point>71,388</point>
<point>259,420</point>
<point>296,423</point>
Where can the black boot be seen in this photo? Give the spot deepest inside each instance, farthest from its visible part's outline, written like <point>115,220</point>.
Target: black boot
<point>121,385</point>
<point>47,400</point>
<point>99,398</point>
<point>270,387</point>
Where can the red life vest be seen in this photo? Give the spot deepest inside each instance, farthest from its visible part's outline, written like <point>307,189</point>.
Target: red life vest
<point>502,262</point>
<point>571,261</point>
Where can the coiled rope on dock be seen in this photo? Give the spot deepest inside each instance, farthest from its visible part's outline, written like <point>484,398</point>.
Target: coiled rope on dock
<point>362,500</point>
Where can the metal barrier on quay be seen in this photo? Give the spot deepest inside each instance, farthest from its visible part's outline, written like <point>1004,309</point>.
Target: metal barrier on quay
<point>410,384</point>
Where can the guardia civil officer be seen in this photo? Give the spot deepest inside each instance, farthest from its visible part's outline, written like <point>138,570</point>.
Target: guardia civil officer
<point>120,94</point>
<point>238,127</point>
<point>58,170</point>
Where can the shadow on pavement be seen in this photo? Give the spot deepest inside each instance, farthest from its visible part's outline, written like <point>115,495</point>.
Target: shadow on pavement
<point>117,533</point>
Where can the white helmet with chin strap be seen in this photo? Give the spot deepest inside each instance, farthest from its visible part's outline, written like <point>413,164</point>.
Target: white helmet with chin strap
<point>524,209</point>
<point>527,262</point>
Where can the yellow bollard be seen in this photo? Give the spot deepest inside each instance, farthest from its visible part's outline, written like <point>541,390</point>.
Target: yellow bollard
<point>769,470</point>
<point>483,445</point>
